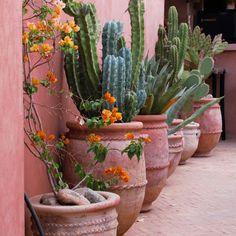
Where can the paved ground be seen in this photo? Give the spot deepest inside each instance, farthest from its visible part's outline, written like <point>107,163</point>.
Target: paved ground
<point>198,200</point>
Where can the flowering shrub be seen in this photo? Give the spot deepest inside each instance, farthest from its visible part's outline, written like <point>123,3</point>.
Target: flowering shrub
<point>44,34</point>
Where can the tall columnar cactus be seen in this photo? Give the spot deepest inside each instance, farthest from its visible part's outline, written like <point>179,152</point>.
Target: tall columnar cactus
<point>173,23</point>
<point>122,71</point>
<point>112,32</point>
<point>136,11</point>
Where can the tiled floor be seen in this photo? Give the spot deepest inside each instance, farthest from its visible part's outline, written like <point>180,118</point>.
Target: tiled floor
<point>198,200</point>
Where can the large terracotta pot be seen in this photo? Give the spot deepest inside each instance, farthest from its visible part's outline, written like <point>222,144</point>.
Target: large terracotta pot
<point>191,134</point>
<point>156,156</point>
<point>95,219</point>
<point>131,193</point>
<point>210,125</point>
<point>175,147</point>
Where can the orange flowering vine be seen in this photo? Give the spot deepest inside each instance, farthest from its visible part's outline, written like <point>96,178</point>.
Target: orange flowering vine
<point>51,77</point>
<point>129,136</point>
<point>41,134</point>
<point>109,98</point>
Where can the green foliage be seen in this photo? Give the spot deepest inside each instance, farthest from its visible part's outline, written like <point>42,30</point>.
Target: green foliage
<point>135,148</point>
<point>99,150</point>
<point>90,181</point>
<point>201,46</point>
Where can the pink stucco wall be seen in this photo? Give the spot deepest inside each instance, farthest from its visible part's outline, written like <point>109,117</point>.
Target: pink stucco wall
<point>11,123</point>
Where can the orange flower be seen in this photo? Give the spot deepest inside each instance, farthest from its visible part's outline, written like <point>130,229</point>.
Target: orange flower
<point>118,171</point>
<point>25,38</point>
<point>35,81</point>
<point>129,136</point>
<point>66,28</point>
<point>147,140</point>
<point>66,141</point>
<point>34,48</point>
<point>106,115</point>
<point>41,134</point>
<point>93,138</point>
<point>75,47</point>
<point>109,98</point>
<point>66,42</point>
<point>46,48</point>
<point>76,28</point>
<point>113,119</point>
<point>51,137</point>
<point>31,26</point>
<point>51,77</point>
<point>42,26</point>
<point>63,136</point>
<point>119,116</point>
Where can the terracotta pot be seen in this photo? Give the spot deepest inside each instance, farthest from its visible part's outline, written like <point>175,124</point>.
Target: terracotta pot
<point>175,147</point>
<point>191,134</point>
<point>95,219</point>
<point>131,193</point>
<point>210,125</point>
<point>156,156</point>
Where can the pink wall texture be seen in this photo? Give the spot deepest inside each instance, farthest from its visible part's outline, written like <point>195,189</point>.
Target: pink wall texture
<point>11,124</point>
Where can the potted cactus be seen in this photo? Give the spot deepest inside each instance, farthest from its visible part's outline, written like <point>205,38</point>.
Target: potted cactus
<point>201,46</point>
<point>120,84</point>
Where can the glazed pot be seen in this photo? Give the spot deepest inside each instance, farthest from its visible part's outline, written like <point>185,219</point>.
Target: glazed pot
<point>94,219</point>
<point>191,134</point>
<point>175,142</point>
<point>131,193</point>
<point>210,126</point>
<point>156,156</point>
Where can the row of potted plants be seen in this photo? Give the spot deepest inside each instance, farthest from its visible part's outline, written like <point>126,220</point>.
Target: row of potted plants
<point>127,106</point>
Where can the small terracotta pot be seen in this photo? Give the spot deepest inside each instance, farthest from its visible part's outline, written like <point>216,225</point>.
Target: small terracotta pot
<point>175,147</point>
<point>95,219</point>
<point>131,193</point>
<point>156,156</point>
<point>210,125</point>
<point>191,134</point>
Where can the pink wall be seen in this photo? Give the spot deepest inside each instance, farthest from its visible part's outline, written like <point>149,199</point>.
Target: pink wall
<point>11,124</point>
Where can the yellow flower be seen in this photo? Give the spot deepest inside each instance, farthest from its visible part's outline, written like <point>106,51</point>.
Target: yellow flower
<point>75,47</point>
<point>31,26</point>
<point>46,48</point>
<point>93,138</point>
<point>35,81</point>
<point>72,23</point>
<point>41,134</point>
<point>119,116</point>
<point>25,38</point>
<point>66,42</point>
<point>34,48</point>
<point>66,28</point>
<point>76,28</point>
<point>129,136</point>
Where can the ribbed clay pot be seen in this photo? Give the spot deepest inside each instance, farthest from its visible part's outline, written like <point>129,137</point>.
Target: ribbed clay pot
<point>156,156</point>
<point>191,134</point>
<point>95,219</point>
<point>210,126</point>
<point>175,142</point>
<point>131,193</point>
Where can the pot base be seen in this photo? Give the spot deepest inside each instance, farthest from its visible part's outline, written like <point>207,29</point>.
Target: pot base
<point>199,155</point>
<point>146,208</point>
<point>182,163</point>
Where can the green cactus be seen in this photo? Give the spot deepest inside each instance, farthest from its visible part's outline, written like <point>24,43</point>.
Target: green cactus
<point>136,11</point>
<point>112,32</point>
<point>173,25</point>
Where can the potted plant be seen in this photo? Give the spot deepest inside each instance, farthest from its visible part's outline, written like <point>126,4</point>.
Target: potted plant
<point>201,46</point>
<point>99,94</point>
<point>65,211</point>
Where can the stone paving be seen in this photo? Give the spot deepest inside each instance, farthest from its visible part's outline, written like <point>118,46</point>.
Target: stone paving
<point>198,200</point>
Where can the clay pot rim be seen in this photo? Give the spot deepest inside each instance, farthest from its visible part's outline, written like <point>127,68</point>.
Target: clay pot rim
<point>175,136</point>
<point>148,118</point>
<point>194,125</point>
<point>113,127</point>
<point>112,201</point>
